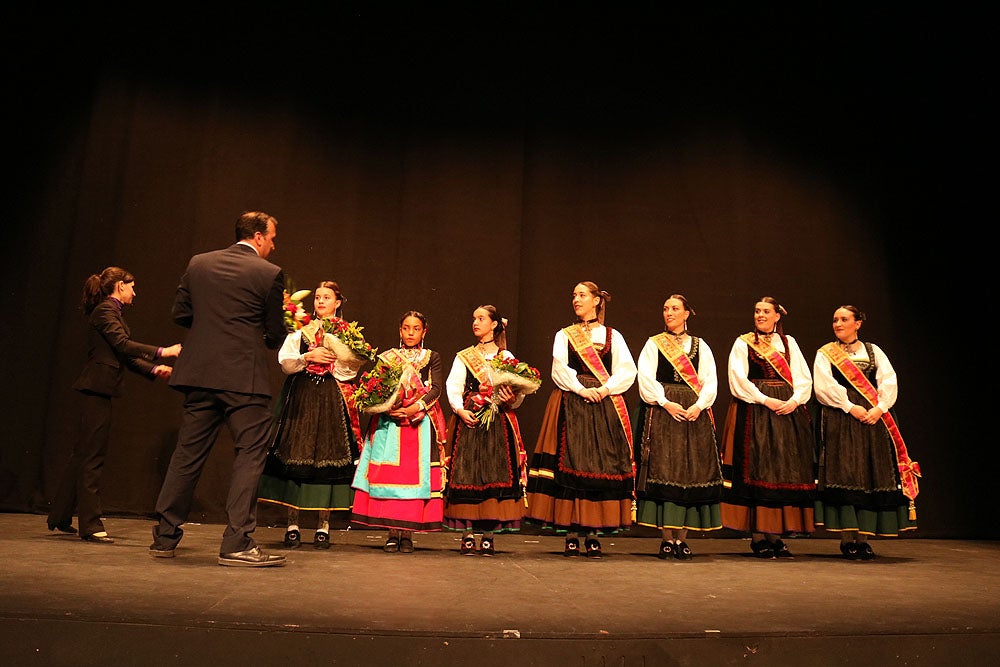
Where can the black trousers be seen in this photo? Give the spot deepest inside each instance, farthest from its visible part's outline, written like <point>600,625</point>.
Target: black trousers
<point>79,487</point>
<point>248,418</point>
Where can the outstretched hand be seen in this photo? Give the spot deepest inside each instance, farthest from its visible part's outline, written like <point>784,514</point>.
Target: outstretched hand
<point>172,351</point>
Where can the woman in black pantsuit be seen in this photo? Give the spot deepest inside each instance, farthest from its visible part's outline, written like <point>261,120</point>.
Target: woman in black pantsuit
<point>110,349</point>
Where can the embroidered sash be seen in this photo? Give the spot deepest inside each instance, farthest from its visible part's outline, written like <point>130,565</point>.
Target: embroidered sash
<point>771,355</point>
<point>675,354</point>
<point>909,470</point>
<point>580,340</point>
<point>476,363</point>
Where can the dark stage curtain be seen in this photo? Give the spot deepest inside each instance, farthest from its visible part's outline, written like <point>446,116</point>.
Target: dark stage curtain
<point>440,169</point>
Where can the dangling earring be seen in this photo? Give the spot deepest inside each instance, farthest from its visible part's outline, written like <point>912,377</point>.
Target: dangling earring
<point>422,342</point>
<point>401,343</point>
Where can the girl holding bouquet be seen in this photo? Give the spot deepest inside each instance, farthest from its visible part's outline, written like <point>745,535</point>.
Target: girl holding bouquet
<point>582,474</point>
<point>318,434</point>
<point>487,469</point>
<point>399,480</point>
<point>680,479</point>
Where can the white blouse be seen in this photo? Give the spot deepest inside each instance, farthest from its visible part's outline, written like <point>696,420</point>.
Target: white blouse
<point>651,391</point>
<point>831,393</point>
<point>744,389</point>
<point>291,359</point>
<point>623,370</point>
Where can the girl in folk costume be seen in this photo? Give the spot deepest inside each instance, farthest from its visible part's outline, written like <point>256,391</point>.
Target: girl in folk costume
<point>488,465</point>
<point>399,481</point>
<point>680,480</point>
<point>867,481</point>
<point>768,445</point>
<point>317,436</point>
<point>582,475</point>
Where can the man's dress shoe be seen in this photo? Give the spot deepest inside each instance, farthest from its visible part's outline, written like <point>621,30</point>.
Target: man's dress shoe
<point>251,558</point>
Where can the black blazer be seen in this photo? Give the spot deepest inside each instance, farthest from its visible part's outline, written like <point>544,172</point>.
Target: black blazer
<point>110,349</point>
<point>231,300</point>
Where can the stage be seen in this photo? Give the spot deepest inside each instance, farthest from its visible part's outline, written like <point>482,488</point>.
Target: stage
<point>68,602</point>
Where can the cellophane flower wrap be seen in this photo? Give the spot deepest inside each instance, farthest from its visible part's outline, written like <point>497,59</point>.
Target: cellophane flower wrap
<point>346,340</point>
<point>293,311</point>
<point>378,389</point>
<point>510,371</point>
<point>515,373</point>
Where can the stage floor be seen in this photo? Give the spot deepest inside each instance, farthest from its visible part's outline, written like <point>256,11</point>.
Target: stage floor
<point>68,602</point>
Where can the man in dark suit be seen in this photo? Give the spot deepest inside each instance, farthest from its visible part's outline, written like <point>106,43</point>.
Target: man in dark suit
<point>110,350</point>
<point>231,300</point>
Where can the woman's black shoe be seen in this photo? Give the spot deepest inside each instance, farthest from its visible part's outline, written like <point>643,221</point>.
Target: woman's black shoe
<point>405,545</point>
<point>572,547</point>
<point>865,551</point>
<point>293,539</point>
<point>593,548</point>
<point>99,539</point>
<point>850,550</point>
<point>468,546</point>
<point>666,550</point>
<point>63,528</point>
<point>486,547</point>
<point>321,540</point>
<point>762,549</point>
<point>781,550</point>
<point>682,551</point>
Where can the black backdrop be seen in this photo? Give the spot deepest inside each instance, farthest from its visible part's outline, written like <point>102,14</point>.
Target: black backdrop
<point>440,160</point>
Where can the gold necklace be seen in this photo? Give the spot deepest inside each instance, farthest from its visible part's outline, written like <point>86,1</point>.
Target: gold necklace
<point>411,354</point>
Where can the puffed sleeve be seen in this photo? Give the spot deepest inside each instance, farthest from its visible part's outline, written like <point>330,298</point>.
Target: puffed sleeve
<point>456,384</point>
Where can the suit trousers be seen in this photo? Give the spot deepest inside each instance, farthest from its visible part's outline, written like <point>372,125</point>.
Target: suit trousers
<point>81,481</point>
<point>248,417</point>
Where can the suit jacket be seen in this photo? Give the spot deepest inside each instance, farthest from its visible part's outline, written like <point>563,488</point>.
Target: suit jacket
<point>110,349</point>
<point>231,300</point>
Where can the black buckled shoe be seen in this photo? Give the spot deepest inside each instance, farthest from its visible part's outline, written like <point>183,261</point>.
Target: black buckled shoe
<point>682,551</point>
<point>762,549</point>
<point>849,550</point>
<point>865,551</point>
<point>391,545</point>
<point>572,547</point>
<point>468,546</point>
<point>593,548</point>
<point>781,550</point>
<point>486,547</point>
<point>293,539</point>
<point>666,550</point>
<point>321,540</point>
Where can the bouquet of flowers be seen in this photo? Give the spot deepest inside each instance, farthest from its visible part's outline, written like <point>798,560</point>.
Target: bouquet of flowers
<point>481,404</point>
<point>295,314</point>
<point>510,371</point>
<point>518,374</point>
<point>346,340</point>
<point>378,389</point>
